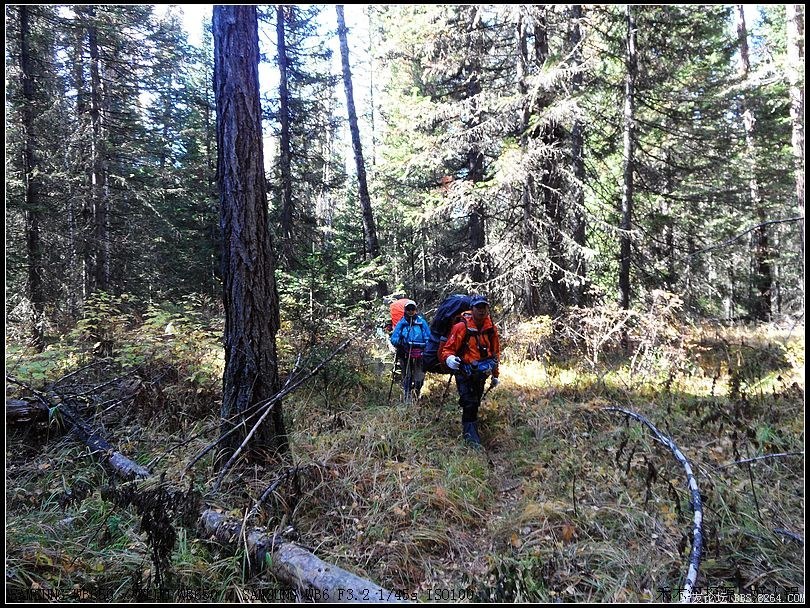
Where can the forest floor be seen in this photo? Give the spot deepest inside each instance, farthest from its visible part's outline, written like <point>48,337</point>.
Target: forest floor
<point>567,502</point>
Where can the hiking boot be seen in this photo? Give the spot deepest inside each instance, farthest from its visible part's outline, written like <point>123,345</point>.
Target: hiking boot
<point>471,437</point>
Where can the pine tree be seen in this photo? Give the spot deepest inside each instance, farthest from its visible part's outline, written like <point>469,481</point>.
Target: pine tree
<point>249,290</point>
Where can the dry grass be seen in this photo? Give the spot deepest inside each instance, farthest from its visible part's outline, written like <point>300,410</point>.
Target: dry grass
<point>567,503</point>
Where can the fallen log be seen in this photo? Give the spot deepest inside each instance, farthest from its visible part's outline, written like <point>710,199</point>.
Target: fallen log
<point>22,412</point>
<point>312,578</point>
<point>123,466</point>
<point>64,410</point>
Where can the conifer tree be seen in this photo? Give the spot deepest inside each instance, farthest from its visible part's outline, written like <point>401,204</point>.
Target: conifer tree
<point>249,288</point>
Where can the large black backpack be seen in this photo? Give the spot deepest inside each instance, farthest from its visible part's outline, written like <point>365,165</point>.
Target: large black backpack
<point>447,314</point>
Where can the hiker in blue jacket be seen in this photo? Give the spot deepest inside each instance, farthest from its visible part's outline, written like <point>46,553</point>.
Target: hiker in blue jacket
<point>410,337</point>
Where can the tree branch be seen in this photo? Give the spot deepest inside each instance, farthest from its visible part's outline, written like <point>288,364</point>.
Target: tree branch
<point>697,527</point>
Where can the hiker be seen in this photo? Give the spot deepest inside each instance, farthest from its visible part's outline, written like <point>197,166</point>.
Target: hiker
<point>410,336</point>
<point>473,350</point>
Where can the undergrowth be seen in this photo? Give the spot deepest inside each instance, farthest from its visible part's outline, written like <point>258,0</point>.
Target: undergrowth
<point>567,502</point>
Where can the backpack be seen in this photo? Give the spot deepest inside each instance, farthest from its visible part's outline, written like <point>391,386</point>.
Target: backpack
<point>447,314</point>
<point>398,310</point>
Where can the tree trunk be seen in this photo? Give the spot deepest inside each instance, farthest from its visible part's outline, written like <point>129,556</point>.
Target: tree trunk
<point>84,248</point>
<point>475,224</point>
<point>285,159</point>
<point>530,303</point>
<point>312,578</point>
<point>631,66</point>
<point>371,68</point>
<point>78,192</point>
<point>31,174</point>
<point>795,64</point>
<point>24,412</point>
<point>98,168</point>
<point>578,161</point>
<point>369,227</point>
<point>249,287</point>
<point>763,274</point>
<point>550,188</point>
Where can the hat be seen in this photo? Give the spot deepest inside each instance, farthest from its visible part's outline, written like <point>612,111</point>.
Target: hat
<point>476,300</point>
<point>410,303</point>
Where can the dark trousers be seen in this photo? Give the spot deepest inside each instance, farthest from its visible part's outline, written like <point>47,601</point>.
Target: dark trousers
<point>470,390</point>
<point>412,371</point>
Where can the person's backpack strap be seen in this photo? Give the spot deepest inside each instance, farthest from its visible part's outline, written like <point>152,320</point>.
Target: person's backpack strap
<point>474,332</point>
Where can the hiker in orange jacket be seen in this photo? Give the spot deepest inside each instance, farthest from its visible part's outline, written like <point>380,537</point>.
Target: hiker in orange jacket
<point>473,351</point>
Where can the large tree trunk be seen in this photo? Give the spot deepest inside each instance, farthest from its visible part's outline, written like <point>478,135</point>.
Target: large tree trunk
<point>795,52</point>
<point>31,176</point>
<point>285,157</point>
<point>369,227</point>
<point>626,224</point>
<point>78,195</point>
<point>551,186</point>
<point>249,287</point>
<point>83,208</point>
<point>763,274</point>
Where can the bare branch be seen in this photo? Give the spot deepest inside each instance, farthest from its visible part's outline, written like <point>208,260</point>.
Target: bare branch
<point>697,505</point>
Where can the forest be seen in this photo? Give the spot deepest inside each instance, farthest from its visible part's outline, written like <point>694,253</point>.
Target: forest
<point>204,242</point>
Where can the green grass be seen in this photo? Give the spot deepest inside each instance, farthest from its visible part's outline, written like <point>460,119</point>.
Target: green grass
<point>567,503</point>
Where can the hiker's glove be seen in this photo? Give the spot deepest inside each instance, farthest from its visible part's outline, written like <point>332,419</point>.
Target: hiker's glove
<point>494,382</point>
<point>453,362</point>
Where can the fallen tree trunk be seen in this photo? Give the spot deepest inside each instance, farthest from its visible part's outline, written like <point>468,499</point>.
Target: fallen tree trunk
<point>312,578</point>
<point>21,412</point>
<point>123,466</point>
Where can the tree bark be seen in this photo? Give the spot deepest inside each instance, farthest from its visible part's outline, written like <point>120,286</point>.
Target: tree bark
<point>631,67</point>
<point>551,186</point>
<point>795,52</point>
<point>476,230</point>
<point>369,227</point>
<point>530,299</point>
<point>20,412</point>
<point>31,176</point>
<point>311,577</point>
<point>249,287</point>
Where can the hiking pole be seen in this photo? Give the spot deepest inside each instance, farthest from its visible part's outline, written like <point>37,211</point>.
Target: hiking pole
<point>406,376</point>
<point>446,386</point>
<point>393,379</point>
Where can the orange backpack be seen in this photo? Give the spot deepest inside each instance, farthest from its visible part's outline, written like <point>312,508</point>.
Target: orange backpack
<point>398,310</point>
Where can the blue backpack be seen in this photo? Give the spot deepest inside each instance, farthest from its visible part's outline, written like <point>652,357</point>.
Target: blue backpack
<point>447,314</point>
